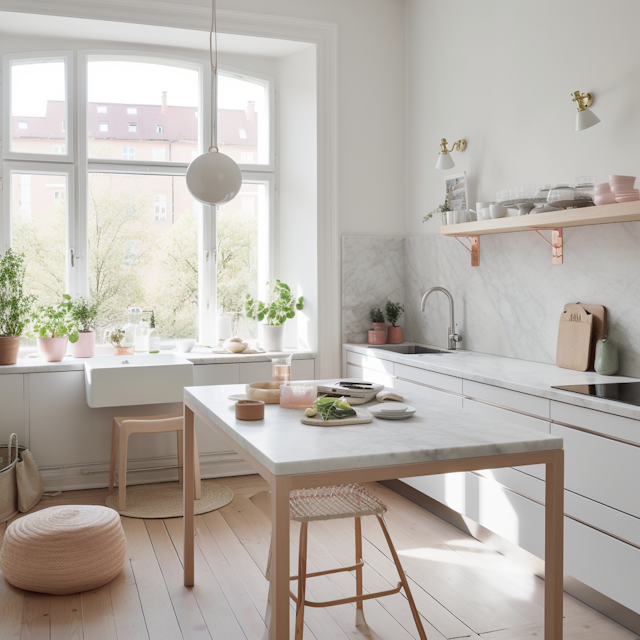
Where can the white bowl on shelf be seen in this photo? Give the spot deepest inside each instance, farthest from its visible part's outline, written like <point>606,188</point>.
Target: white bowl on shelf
<point>185,345</point>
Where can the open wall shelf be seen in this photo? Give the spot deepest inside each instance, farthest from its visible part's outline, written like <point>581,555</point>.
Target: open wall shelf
<point>554,221</point>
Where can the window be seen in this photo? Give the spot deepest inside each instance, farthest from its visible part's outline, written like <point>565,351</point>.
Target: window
<point>159,128</point>
<point>132,111</point>
<point>158,154</point>
<point>101,109</point>
<point>103,126</point>
<point>63,125</point>
<point>133,127</point>
<point>58,195</point>
<point>128,153</point>
<point>59,149</point>
<point>23,125</point>
<point>246,157</point>
<point>242,133</point>
<point>160,206</point>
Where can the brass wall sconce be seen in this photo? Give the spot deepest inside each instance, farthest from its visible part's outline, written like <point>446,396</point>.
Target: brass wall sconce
<point>445,161</point>
<point>585,118</point>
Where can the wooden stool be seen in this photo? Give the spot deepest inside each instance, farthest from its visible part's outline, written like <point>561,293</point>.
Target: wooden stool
<point>124,427</point>
<point>328,503</point>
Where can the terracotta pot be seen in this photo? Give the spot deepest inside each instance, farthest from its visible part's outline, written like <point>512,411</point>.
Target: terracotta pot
<point>122,351</point>
<point>379,326</point>
<point>52,349</point>
<point>86,345</point>
<point>9,346</point>
<point>272,337</point>
<point>395,335</point>
<point>377,337</point>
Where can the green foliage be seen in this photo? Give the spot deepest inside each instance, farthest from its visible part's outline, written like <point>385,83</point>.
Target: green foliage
<point>84,314</point>
<point>393,311</point>
<point>281,305</point>
<point>441,208</point>
<point>115,336</point>
<point>15,305</point>
<point>333,408</point>
<point>376,315</point>
<point>54,321</point>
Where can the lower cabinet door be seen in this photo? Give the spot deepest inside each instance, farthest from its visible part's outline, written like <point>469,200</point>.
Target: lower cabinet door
<point>379,377</point>
<point>450,399</point>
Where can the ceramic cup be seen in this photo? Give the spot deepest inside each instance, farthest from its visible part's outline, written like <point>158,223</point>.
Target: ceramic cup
<point>461,216</point>
<point>498,211</point>
<point>450,217</point>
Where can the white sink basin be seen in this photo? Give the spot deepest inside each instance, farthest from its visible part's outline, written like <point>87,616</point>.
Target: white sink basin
<point>122,381</point>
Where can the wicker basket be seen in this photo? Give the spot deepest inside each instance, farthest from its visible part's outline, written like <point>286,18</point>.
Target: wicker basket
<point>9,456</point>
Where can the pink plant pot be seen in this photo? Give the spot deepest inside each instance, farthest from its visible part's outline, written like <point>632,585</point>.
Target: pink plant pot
<point>122,351</point>
<point>395,335</point>
<point>52,349</point>
<point>85,346</point>
<point>377,337</point>
<point>379,326</point>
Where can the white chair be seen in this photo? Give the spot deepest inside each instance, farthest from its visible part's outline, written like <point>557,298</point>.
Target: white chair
<point>124,427</point>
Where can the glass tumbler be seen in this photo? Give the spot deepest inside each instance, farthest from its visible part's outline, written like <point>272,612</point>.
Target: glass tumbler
<point>281,369</point>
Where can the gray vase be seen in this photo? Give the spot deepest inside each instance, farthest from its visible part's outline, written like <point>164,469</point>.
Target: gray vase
<point>606,362</point>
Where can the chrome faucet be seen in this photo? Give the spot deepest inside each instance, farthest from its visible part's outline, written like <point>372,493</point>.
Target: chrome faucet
<point>452,337</point>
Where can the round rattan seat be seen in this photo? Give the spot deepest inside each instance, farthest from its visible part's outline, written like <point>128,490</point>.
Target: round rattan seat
<point>330,503</point>
<point>62,550</point>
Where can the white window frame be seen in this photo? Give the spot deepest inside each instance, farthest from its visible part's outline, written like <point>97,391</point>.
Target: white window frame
<point>40,56</point>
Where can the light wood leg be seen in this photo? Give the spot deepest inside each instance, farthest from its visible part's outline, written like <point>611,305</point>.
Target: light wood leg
<point>180,456</point>
<point>122,473</point>
<point>403,579</point>
<point>267,613</point>
<point>187,493</point>
<point>196,465</point>
<point>115,436</point>
<point>302,580</point>
<point>553,547</point>
<point>279,627</point>
<point>359,585</point>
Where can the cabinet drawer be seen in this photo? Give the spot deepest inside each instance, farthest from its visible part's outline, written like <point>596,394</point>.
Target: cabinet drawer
<point>255,372</point>
<point>370,362</point>
<point>515,400</point>
<point>13,418</point>
<point>210,374</point>
<point>303,369</point>
<point>437,380</point>
<point>601,469</point>
<point>360,373</point>
<point>598,421</point>
<point>449,399</point>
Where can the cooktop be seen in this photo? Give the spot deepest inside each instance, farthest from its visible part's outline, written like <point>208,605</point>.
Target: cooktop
<point>628,392</point>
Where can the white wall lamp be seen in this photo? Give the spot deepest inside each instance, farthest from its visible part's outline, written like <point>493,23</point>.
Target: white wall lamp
<point>213,177</point>
<point>585,118</point>
<point>445,161</point>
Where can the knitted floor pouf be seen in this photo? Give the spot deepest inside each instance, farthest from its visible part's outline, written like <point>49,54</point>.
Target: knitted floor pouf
<point>62,550</point>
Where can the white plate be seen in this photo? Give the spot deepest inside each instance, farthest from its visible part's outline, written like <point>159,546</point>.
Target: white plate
<point>377,412</point>
<point>392,407</point>
<point>239,396</point>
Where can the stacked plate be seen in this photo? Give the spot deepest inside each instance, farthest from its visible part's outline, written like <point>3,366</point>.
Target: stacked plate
<point>603,194</point>
<point>391,411</point>
<point>622,188</point>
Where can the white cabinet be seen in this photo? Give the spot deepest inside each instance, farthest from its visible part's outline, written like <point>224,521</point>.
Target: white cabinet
<point>13,414</point>
<point>450,399</point>
<point>429,378</point>
<point>210,374</point>
<point>521,402</point>
<point>370,375</point>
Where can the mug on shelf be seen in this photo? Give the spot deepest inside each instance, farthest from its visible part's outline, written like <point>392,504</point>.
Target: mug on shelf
<point>498,211</point>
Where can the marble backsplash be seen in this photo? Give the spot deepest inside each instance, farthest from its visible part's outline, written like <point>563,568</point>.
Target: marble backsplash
<point>510,305</point>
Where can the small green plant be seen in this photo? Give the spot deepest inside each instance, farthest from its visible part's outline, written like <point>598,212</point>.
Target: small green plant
<point>15,305</point>
<point>84,314</point>
<point>54,321</point>
<point>393,311</point>
<point>280,307</point>
<point>441,208</point>
<point>333,408</point>
<point>376,315</point>
<point>115,336</point>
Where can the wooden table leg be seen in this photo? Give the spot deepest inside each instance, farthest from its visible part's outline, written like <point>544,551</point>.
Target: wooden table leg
<point>553,547</point>
<point>279,623</point>
<point>187,493</point>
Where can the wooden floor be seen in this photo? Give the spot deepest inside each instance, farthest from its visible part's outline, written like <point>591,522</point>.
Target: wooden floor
<point>462,588</point>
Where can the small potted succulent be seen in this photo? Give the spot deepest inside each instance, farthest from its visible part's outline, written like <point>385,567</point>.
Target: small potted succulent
<point>393,311</point>
<point>117,338</point>
<point>84,314</point>
<point>53,328</point>
<point>15,306</point>
<point>281,306</point>
<point>377,335</point>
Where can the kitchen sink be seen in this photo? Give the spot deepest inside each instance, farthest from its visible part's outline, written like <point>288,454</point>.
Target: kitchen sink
<point>414,349</point>
<point>122,381</point>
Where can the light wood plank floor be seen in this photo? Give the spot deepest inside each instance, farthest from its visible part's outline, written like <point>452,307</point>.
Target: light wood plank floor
<point>462,588</point>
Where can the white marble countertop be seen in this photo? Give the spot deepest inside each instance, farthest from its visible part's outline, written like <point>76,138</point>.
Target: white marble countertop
<point>534,378</point>
<point>436,432</point>
<point>198,356</point>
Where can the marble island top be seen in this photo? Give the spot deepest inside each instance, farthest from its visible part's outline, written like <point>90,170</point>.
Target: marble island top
<point>283,445</point>
<point>534,378</point>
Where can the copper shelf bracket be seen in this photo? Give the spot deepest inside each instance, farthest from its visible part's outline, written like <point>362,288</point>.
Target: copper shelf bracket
<point>556,243</point>
<point>474,249</point>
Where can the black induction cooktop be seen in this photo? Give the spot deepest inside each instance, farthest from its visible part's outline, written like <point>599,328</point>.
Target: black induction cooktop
<point>628,392</point>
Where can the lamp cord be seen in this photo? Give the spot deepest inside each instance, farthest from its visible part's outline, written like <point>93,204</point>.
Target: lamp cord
<point>213,38</point>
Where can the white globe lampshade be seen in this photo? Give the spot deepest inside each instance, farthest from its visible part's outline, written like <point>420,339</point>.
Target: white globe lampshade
<point>213,178</point>
<point>585,119</point>
<point>445,161</point>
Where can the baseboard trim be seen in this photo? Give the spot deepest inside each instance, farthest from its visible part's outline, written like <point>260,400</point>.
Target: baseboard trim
<point>594,599</point>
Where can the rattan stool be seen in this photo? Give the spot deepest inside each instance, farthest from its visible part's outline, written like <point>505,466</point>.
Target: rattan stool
<point>328,503</point>
<point>124,427</point>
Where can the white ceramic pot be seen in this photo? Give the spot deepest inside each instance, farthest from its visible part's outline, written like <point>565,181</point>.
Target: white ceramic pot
<point>272,337</point>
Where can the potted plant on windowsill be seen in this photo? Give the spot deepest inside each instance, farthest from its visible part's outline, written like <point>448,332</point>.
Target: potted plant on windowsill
<point>84,314</point>
<point>280,307</point>
<point>53,327</point>
<point>377,335</point>
<point>117,338</point>
<point>15,306</point>
<point>393,311</point>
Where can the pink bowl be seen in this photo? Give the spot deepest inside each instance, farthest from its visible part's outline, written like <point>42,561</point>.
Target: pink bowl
<point>602,188</point>
<point>615,184</point>
<point>621,178</point>
<point>607,198</point>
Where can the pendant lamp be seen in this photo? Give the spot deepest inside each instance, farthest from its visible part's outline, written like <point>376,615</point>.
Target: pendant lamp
<point>213,177</point>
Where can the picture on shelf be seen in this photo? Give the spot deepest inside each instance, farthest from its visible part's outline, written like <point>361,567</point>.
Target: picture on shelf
<point>457,191</point>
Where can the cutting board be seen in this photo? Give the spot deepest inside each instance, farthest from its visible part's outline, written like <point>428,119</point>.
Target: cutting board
<point>362,417</point>
<point>574,338</point>
<point>599,325</point>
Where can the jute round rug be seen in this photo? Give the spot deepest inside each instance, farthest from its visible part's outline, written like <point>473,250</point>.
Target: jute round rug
<point>164,500</point>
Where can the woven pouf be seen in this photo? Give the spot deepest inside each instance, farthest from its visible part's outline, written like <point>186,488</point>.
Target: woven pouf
<point>62,550</point>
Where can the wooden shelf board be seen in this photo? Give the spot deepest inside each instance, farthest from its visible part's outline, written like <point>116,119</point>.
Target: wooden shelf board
<point>586,216</point>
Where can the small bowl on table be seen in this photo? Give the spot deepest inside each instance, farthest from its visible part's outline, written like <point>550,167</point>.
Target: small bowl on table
<point>185,345</point>
<point>250,410</point>
<point>268,392</point>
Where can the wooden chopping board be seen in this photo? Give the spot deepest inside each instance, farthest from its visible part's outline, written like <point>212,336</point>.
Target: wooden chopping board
<point>599,325</point>
<point>574,338</point>
<point>362,417</point>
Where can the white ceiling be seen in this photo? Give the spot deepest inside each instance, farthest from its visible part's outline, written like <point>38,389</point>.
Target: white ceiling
<point>61,27</point>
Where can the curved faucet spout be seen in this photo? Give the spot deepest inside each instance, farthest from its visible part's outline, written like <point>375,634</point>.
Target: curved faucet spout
<point>452,337</point>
